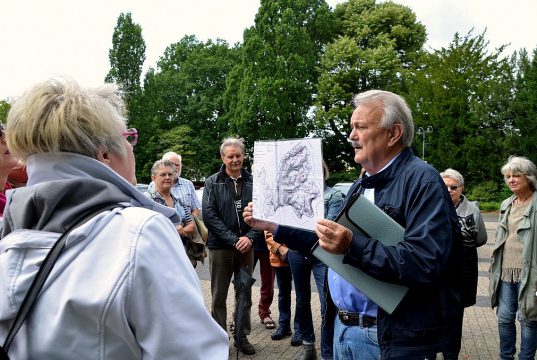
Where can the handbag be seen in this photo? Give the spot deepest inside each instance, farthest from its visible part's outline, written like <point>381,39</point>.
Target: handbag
<point>42,274</point>
<point>202,229</point>
<point>195,248</point>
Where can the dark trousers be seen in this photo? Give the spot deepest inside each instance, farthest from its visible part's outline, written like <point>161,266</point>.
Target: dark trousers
<point>302,267</point>
<point>454,347</point>
<point>267,283</point>
<point>223,265</point>
<point>284,279</point>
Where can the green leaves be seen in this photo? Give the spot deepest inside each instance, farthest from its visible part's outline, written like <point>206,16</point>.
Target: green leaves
<point>270,92</point>
<point>4,109</point>
<point>181,105</point>
<point>463,92</point>
<point>376,47</point>
<point>127,55</point>
<point>296,72</point>
<point>524,140</point>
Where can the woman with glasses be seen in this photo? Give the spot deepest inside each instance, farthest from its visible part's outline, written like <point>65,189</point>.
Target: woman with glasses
<point>7,163</point>
<point>513,277</point>
<point>474,234</point>
<point>122,287</point>
<point>163,175</point>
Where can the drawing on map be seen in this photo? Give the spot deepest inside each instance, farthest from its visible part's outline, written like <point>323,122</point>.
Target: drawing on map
<point>288,182</point>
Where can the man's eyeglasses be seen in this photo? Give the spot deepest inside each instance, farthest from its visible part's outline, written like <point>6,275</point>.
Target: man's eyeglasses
<point>453,187</point>
<point>131,135</point>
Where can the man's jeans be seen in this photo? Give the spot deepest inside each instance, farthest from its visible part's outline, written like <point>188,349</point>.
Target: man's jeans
<point>302,266</point>
<point>285,279</point>
<point>506,312</point>
<point>355,342</point>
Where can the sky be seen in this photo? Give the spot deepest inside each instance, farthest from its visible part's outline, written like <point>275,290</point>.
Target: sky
<point>44,38</point>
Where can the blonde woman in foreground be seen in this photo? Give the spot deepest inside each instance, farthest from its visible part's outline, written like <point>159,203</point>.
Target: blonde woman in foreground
<point>123,288</point>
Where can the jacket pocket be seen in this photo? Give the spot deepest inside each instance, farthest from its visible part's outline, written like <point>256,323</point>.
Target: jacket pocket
<point>394,213</point>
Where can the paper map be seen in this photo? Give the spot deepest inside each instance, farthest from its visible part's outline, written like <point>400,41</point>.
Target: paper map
<point>288,182</point>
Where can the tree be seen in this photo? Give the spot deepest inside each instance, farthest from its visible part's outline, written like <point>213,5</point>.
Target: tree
<point>270,92</point>
<point>464,92</point>
<point>378,44</point>
<point>525,107</point>
<point>127,55</point>
<point>4,109</point>
<point>181,104</point>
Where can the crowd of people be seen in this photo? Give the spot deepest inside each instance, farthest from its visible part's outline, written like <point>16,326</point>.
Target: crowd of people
<point>122,284</point>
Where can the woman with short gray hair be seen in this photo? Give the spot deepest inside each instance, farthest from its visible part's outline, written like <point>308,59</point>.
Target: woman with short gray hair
<point>514,264</point>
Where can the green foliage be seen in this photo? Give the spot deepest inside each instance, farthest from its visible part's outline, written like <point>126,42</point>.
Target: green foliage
<point>127,55</point>
<point>488,191</point>
<point>525,107</point>
<point>483,192</point>
<point>4,109</point>
<point>269,93</point>
<point>464,92</point>
<point>343,176</point>
<point>489,206</point>
<point>181,106</point>
<point>376,46</point>
<point>295,74</point>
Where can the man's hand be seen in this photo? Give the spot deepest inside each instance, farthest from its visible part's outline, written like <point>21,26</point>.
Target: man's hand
<point>243,245</point>
<point>255,223</point>
<point>333,238</point>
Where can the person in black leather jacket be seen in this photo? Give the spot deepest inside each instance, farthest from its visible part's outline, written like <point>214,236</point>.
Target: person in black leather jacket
<point>412,193</point>
<point>230,239</point>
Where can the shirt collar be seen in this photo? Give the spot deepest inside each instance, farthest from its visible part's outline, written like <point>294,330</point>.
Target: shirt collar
<point>387,165</point>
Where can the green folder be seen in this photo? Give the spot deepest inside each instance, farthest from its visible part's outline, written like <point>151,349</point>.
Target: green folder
<point>363,217</point>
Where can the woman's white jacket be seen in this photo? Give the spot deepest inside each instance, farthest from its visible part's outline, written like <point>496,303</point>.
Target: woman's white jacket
<point>123,288</point>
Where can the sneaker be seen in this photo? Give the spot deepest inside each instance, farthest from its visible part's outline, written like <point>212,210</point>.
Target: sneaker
<point>280,333</point>
<point>246,348</point>
<point>296,340</point>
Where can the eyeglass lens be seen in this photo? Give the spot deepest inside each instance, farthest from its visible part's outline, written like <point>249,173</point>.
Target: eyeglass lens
<point>132,136</point>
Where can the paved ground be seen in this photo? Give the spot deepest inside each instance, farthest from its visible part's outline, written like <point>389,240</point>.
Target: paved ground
<point>480,334</point>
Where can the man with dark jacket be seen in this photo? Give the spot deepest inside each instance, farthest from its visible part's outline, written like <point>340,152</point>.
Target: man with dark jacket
<point>413,194</point>
<point>230,239</point>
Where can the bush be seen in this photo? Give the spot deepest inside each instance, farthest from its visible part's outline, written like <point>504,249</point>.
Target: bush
<point>486,191</point>
<point>505,192</point>
<point>489,206</point>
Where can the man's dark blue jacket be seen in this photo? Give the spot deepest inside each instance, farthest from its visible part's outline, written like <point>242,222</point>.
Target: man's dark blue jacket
<point>413,194</point>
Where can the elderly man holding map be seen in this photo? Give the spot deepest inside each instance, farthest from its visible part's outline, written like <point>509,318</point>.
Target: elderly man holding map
<point>412,193</point>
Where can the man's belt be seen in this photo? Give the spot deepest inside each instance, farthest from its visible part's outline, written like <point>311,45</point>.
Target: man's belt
<point>355,319</point>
